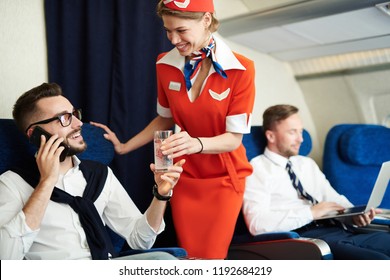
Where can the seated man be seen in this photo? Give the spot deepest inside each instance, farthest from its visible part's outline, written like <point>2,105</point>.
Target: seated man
<point>57,209</point>
<point>272,202</point>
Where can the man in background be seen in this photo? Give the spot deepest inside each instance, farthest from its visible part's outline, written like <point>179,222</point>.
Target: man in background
<point>288,192</point>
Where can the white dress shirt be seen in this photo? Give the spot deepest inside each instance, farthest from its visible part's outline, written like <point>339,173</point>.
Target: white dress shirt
<point>61,235</point>
<point>271,203</point>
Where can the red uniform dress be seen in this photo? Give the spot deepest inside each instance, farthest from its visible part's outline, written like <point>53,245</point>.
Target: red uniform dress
<point>208,197</point>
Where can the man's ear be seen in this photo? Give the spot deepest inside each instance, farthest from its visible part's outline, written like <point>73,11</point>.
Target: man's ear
<point>270,136</point>
<point>29,132</point>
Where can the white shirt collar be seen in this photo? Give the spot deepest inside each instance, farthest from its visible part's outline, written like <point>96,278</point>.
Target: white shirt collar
<point>76,160</point>
<point>275,158</point>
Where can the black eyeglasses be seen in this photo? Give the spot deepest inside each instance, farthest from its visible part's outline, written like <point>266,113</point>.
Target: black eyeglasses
<point>65,119</point>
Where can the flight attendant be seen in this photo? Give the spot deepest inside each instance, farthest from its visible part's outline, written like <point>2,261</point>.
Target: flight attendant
<point>208,92</point>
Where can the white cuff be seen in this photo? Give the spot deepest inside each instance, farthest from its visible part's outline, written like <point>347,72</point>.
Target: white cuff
<point>239,123</point>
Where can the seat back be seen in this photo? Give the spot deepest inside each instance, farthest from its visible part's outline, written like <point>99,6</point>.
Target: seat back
<point>255,142</point>
<point>353,155</point>
<point>14,146</point>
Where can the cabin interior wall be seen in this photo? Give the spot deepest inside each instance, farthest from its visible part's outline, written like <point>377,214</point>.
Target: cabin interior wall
<point>276,84</point>
<point>372,91</point>
<point>330,101</point>
<point>23,56</point>
<point>351,97</point>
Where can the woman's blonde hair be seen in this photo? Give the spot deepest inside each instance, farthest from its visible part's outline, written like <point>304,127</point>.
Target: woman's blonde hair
<point>162,10</point>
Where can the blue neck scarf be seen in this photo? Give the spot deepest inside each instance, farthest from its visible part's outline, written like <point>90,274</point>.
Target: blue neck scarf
<point>193,65</point>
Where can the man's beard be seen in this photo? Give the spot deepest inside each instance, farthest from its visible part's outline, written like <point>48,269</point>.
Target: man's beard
<point>290,153</point>
<point>75,151</point>
<point>287,152</point>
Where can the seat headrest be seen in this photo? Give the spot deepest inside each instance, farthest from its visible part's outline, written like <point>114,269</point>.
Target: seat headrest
<point>98,148</point>
<point>365,145</point>
<point>15,148</point>
<point>255,142</point>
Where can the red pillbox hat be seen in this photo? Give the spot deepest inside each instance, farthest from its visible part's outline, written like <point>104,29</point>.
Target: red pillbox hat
<point>190,5</point>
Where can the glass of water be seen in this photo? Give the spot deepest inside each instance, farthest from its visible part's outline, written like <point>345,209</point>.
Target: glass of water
<point>162,162</point>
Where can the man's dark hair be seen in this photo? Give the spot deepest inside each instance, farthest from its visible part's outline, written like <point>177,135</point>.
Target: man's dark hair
<point>277,113</point>
<point>25,107</point>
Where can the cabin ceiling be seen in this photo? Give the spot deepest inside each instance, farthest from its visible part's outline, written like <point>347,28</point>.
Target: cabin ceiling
<point>296,30</point>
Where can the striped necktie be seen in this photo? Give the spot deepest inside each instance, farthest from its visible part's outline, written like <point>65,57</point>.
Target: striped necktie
<point>193,65</point>
<point>298,186</point>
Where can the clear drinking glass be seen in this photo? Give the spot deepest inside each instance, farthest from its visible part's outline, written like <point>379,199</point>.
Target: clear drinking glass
<point>161,161</point>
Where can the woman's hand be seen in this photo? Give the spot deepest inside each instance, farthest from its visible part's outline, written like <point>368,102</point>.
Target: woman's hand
<point>180,144</point>
<point>110,136</point>
<point>166,181</point>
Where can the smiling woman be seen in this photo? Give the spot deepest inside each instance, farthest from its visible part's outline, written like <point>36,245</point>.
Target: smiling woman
<point>208,92</point>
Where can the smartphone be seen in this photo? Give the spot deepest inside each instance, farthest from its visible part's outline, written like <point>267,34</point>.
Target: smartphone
<point>35,138</point>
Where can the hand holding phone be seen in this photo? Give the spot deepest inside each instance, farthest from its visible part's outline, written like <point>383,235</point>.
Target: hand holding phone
<point>35,138</point>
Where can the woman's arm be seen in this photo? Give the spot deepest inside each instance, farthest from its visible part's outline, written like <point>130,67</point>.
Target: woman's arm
<point>139,140</point>
<point>183,144</point>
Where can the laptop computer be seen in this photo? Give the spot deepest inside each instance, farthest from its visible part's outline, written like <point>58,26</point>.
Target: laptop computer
<point>381,183</point>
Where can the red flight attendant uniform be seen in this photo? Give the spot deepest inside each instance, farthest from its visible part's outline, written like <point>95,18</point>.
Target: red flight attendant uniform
<point>208,197</point>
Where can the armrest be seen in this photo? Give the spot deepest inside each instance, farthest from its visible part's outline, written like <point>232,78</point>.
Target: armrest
<point>278,246</point>
<point>380,223</point>
<point>269,236</point>
<point>378,220</point>
<point>175,251</point>
<point>382,218</point>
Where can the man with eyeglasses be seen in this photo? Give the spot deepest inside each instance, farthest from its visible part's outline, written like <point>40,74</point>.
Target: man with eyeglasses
<point>65,119</point>
<point>57,210</point>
